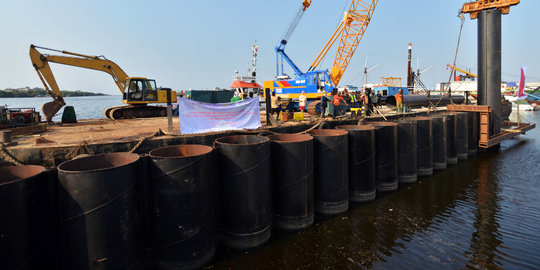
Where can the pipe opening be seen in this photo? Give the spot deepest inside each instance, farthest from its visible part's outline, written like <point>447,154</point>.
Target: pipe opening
<point>356,127</point>
<point>180,151</point>
<point>327,132</point>
<point>242,139</point>
<point>11,174</point>
<point>285,138</point>
<point>98,162</point>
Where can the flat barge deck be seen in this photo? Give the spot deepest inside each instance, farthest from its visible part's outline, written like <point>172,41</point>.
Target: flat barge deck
<point>61,142</point>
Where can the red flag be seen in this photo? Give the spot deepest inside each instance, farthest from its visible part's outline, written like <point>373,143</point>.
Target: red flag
<point>521,92</point>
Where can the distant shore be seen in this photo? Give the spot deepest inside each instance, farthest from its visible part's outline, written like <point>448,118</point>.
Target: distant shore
<point>40,92</point>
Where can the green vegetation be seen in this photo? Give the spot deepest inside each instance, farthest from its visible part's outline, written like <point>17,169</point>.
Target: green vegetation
<point>40,92</point>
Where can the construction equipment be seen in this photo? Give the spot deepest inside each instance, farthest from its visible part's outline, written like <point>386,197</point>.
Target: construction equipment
<point>137,92</point>
<point>14,117</point>
<point>474,8</point>
<point>349,32</point>
<point>468,75</point>
<point>489,13</point>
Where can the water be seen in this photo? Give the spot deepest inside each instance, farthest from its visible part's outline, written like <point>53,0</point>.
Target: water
<point>85,107</point>
<point>481,213</point>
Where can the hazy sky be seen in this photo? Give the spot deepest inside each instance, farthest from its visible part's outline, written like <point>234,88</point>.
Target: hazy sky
<point>199,44</point>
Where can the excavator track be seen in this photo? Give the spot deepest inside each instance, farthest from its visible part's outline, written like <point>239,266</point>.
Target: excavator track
<point>131,111</point>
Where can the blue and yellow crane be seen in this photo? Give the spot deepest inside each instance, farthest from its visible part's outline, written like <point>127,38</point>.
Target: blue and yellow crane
<point>313,82</point>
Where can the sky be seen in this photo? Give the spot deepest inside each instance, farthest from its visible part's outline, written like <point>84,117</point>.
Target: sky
<point>200,44</point>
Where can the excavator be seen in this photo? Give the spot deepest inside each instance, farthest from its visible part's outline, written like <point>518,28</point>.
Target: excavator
<point>137,92</point>
<point>349,33</point>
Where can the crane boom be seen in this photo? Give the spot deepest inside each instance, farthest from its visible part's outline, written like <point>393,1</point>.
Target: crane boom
<point>474,8</point>
<point>350,31</point>
<point>280,49</point>
<point>462,71</point>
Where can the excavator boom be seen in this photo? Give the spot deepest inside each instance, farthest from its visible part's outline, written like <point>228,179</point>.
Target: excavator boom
<point>151,93</point>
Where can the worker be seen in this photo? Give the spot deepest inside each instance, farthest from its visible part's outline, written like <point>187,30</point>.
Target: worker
<point>236,98</point>
<point>399,101</point>
<point>302,99</point>
<point>274,101</point>
<point>336,102</point>
<point>352,98</point>
<point>366,99</point>
<point>324,104</point>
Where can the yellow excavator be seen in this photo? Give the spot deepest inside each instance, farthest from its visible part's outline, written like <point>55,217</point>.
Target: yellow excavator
<point>137,92</point>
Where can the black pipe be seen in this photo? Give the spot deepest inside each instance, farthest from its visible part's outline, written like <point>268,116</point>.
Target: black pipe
<point>422,100</point>
<point>451,138</point>
<point>386,142</point>
<point>489,64</point>
<point>99,215</point>
<point>292,181</point>
<point>330,147</point>
<point>244,190</point>
<point>439,142</point>
<point>25,218</point>
<point>424,145</point>
<point>268,106</point>
<point>462,140</point>
<point>362,186</point>
<point>182,194</point>
<point>407,159</point>
<point>472,135</point>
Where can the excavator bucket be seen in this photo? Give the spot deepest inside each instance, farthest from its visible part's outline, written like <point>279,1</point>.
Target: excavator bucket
<point>51,108</point>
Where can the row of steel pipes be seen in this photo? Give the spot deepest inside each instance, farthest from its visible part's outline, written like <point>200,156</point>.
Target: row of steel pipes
<point>167,209</point>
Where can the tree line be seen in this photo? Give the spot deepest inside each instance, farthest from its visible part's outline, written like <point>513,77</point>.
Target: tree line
<point>40,92</point>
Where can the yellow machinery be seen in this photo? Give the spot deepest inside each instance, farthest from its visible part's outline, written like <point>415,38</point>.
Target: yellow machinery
<point>473,8</point>
<point>468,75</point>
<point>137,92</point>
<point>350,31</point>
<point>391,81</point>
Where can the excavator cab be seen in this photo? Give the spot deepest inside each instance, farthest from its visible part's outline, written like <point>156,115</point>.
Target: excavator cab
<point>140,90</point>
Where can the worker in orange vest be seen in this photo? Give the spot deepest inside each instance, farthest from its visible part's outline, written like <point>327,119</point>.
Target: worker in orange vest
<point>366,99</point>
<point>336,101</point>
<point>399,101</point>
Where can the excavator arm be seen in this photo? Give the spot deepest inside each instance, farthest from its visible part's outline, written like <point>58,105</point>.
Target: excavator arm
<point>41,64</point>
<point>350,31</point>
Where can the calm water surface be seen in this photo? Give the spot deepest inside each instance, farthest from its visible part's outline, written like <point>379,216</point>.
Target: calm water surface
<point>85,107</point>
<point>483,213</point>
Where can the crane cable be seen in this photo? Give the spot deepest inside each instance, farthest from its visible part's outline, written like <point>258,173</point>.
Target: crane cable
<point>462,17</point>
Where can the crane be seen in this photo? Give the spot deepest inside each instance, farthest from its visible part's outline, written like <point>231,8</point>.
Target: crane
<point>474,8</point>
<point>137,91</point>
<point>468,75</point>
<point>349,32</point>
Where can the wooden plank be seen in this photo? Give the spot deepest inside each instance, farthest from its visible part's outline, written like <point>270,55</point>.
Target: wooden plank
<point>507,134</point>
<point>469,108</point>
<point>484,129</point>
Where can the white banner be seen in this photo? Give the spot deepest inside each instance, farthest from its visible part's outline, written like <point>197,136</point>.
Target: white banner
<point>198,117</point>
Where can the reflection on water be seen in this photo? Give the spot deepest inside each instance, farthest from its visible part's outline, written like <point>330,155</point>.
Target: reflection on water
<point>480,213</point>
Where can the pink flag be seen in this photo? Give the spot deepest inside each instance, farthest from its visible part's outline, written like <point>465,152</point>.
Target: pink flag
<point>521,92</point>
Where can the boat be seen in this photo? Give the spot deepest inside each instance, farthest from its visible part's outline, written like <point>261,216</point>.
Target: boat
<point>248,84</point>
